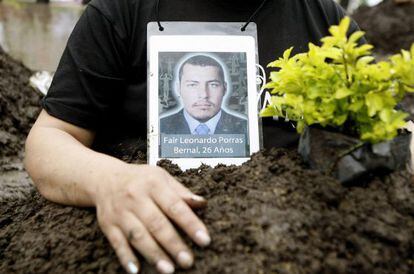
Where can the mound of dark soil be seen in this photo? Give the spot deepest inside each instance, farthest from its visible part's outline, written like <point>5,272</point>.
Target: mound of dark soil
<point>389,26</point>
<point>19,105</point>
<point>270,215</point>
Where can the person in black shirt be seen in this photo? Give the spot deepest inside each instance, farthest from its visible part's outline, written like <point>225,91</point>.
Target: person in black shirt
<point>99,91</point>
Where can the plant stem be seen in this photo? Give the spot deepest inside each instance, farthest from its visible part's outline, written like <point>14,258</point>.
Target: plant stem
<point>346,152</point>
<point>407,85</point>
<point>348,83</point>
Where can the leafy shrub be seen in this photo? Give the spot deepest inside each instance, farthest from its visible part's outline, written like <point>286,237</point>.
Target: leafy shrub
<point>339,85</point>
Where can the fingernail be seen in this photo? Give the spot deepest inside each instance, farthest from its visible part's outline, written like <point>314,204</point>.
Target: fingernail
<point>197,198</point>
<point>132,268</point>
<point>165,267</point>
<point>185,259</point>
<point>203,238</point>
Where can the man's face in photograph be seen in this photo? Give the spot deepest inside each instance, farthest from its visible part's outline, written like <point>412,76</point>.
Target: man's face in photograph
<point>202,90</point>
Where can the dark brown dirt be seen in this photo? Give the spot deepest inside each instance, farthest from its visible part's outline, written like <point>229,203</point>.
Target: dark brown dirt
<point>270,215</point>
<point>19,105</point>
<point>389,26</point>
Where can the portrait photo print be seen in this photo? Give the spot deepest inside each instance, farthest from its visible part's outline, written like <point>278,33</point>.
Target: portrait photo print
<point>202,99</point>
<point>203,105</point>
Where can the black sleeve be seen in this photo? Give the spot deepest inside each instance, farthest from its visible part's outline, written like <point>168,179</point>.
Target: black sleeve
<point>91,72</point>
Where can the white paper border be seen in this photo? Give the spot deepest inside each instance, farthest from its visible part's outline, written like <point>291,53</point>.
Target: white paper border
<point>200,43</point>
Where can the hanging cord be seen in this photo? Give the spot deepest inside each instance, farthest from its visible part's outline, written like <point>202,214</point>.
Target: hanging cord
<point>243,28</point>
<point>161,28</point>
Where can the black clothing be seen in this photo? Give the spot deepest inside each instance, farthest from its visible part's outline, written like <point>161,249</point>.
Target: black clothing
<point>228,124</point>
<point>100,83</point>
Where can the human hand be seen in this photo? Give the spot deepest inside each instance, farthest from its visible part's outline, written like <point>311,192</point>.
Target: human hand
<point>135,212</point>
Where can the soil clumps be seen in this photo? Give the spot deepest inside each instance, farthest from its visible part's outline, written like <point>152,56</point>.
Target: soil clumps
<point>270,215</point>
<point>19,106</point>
<point>389,26</point>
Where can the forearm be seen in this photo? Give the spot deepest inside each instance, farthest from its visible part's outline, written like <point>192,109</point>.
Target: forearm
<point>129,198</point>
<point>66,171</point>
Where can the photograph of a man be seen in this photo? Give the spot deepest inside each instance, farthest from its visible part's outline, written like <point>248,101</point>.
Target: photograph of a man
<point>201,88</point>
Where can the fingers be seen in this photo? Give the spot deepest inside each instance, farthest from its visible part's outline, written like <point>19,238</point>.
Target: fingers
<point>193,200</point>
<point>141,239</point>
<point>139,214</point>
<point>122,250</point>
<point>160,228</point>
<point>178,211</point>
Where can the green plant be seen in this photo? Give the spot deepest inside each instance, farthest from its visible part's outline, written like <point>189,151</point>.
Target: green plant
<point>338,84</point>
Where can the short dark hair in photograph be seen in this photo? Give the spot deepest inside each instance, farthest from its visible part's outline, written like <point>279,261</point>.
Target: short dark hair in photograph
<point>202,61</point>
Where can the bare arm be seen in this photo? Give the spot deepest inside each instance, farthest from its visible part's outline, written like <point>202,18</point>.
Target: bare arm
<point>60,162</point>
<point>135,203</point>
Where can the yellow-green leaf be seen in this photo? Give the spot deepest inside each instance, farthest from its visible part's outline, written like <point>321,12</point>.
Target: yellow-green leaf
<point>343,27</point>
<point>356,106</point>
<point>356,36</point>
<point>287,53</point>
<point>342,93</point>
<point>268,112</point>
<point>385,115</point>
<point>374,103</point>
